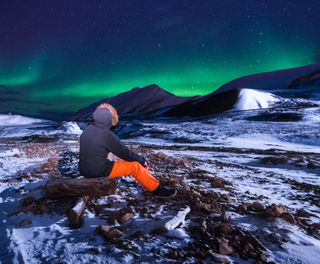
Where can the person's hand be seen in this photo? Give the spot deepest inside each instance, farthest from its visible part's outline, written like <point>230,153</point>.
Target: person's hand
<point>146,165</point>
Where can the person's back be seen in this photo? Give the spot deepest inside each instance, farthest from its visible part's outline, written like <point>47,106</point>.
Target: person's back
<point>93,162</point>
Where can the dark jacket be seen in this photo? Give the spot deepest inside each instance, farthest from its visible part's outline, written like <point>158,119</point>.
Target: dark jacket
<point>96,141</point>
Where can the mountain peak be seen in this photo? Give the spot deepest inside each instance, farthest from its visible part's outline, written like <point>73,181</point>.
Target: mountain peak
<point>137,100</point>
<point>148,89</point>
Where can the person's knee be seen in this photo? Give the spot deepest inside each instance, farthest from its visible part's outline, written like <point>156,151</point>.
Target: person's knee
<point>137,166</point>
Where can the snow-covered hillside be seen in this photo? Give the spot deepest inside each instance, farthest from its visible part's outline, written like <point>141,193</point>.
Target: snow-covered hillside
<point>248,189</point>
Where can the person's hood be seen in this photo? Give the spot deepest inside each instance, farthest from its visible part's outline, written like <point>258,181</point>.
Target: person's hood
<point>102,118</point>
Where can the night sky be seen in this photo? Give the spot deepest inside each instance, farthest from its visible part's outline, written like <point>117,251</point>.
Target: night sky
<point>62,55</point>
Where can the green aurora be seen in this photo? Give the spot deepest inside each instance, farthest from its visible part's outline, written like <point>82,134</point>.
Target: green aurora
<point>49,63</point>
<point>174,75</point>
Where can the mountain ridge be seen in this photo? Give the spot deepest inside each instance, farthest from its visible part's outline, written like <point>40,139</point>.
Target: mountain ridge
<point>137,100</point>
<point>154,99</point>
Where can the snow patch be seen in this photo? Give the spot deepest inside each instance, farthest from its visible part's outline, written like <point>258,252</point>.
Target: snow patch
<point>7,120</point>
<point>72,128</point>
<point>312,115</point>
<point>178,219</point>
<point>252,99</point>
<point>10,165</point>
<point>265,141</point>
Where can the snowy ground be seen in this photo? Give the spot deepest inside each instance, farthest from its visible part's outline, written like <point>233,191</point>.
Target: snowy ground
<point>266,156</point>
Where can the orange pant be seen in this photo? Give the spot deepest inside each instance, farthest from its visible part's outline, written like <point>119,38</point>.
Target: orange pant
<point>135,169</point>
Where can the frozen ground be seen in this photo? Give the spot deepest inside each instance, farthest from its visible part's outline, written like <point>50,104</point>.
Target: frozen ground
<point>229,169</point>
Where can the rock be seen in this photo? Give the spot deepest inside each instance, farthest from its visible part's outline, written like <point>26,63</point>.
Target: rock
<point>208,208</point>
<point>178,181</point>
<point>235,242</point>
<point>225,229</point>
<point>104,229</point>
<point>275,160</point>
<point>311,165</point>
<point>289,218</point>
<point>113,221</point>
<point>112,234</point>
<point>177,161</point>
<point>108,233</point>
<point>30,204</point>
<point>256,206</point>
<point>95,250</point>
<point>28,200</point>
<point>16,155</point>
<point>224,217</point>
<point>25,175</point>
<point>138,234</point>
<point>204,226</point>
<point>25,222</point>
<point>242,208</point>
<point>194,194</point>
<point>316,225</point>
<point>276,210</point>
<point>132,209</point>
<point>224,247</point>
<point>183,181</point>
<point>248,247</point>
<point>314,232</point>
<point>159,231</point>
<point>50,166</point>
<point>173,254</point>
<point>161,155</point>
<point>126,245</point>
<point>219,258</point>
<point>38,208</point>
<point>217,182</point>
<point>126,217</point>
<point>256,243</point>
<point>263,257</point>
<point>227,198</point>
<point>303,213</point>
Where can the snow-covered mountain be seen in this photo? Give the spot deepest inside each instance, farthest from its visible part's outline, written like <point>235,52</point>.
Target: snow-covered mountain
<point>9,119</point>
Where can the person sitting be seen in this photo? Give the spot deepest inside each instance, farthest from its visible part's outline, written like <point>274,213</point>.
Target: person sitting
<point>98,140</point>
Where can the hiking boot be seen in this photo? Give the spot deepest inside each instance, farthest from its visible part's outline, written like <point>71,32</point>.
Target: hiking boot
<point>165,192</point>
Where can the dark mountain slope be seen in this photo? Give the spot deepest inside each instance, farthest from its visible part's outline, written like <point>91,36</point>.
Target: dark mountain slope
<point>137,100</point>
